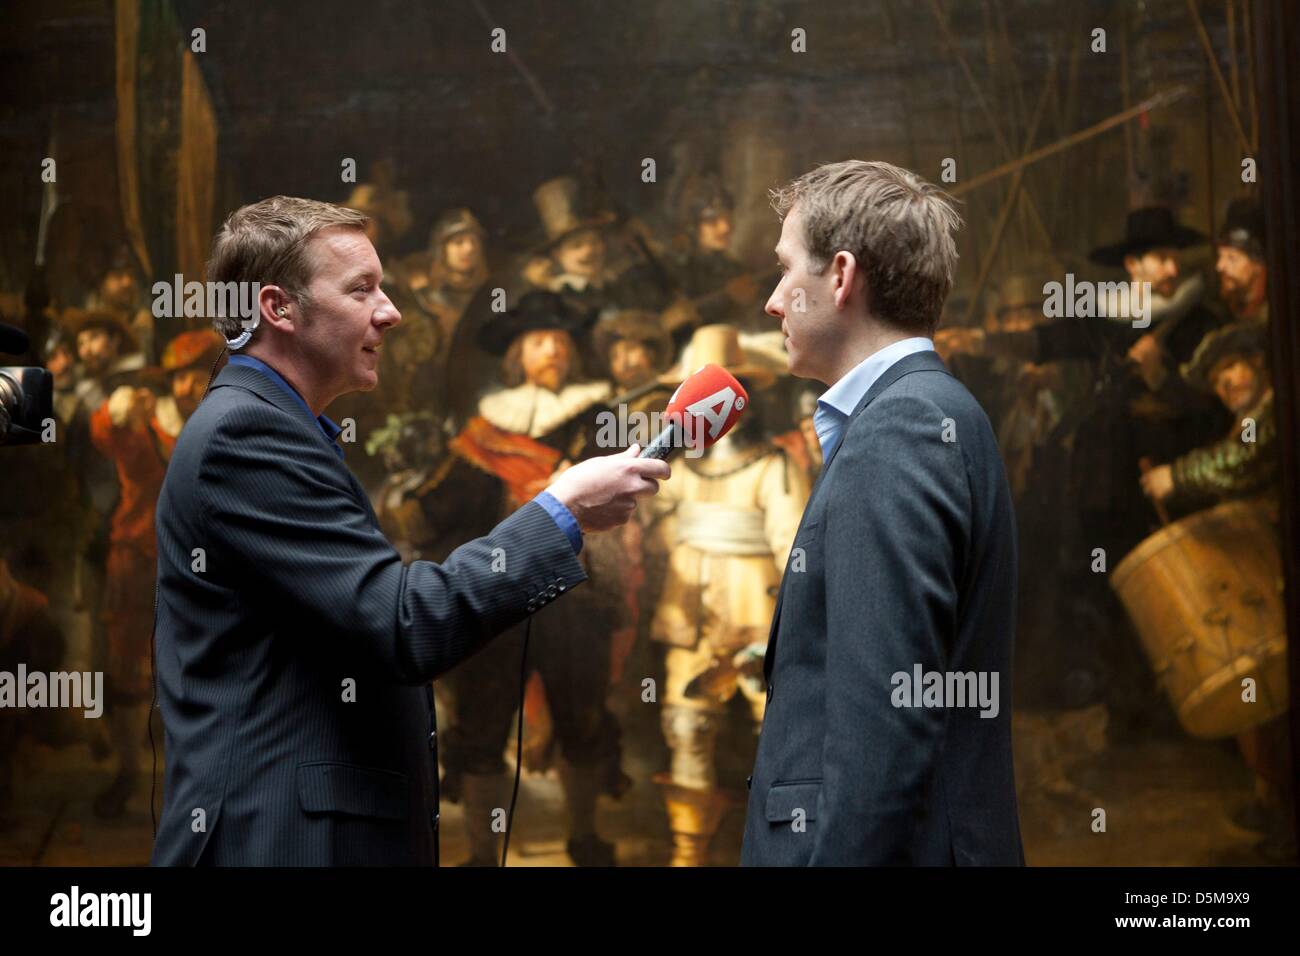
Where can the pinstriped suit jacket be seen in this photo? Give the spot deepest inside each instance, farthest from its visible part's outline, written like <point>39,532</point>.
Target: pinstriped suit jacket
<point>294,649</point>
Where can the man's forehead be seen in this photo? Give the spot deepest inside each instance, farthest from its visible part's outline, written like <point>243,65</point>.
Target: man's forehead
<point>342,250</point>
<point>791,236</point>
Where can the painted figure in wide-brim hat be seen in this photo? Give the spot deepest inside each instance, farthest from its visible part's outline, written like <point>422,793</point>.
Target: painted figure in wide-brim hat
<point>728,524</point>
<point>1238,340</point>
<point>635,353</point>
<point>536,311</point>
<point>76,321</point>
<point>571,258</point>
<point>187,361</point>
<point>137,430</point>
<point>508,451</point>
<point>635,325</point>
<point>1151,227</point>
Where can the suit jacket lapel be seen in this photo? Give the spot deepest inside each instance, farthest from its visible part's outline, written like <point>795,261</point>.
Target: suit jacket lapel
<point>917,361</point>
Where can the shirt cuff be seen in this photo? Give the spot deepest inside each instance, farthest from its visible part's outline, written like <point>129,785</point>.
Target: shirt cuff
<point>563,517</point>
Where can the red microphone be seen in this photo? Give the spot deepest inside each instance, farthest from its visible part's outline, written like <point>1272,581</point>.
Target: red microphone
<point>702,410</point>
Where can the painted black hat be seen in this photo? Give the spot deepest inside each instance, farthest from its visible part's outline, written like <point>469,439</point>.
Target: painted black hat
<point>536,311</point>
<point>1152,227</point>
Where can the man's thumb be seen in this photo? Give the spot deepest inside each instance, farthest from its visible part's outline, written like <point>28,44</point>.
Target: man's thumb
<point>633,450</point>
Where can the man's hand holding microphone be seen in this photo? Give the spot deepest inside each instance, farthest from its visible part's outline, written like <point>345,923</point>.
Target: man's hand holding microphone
<point>602,492</point>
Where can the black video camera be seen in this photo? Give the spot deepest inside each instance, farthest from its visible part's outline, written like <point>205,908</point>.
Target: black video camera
<point>26,393</point>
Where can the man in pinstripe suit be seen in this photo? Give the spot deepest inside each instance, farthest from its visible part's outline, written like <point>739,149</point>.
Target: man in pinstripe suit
<point>294,648</point>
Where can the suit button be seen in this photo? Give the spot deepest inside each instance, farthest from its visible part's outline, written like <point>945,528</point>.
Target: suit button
<point>532,605</point>
<point>434,818</point>
<point>552,591</point>
<point>749,782</point>
<point>433,740</point>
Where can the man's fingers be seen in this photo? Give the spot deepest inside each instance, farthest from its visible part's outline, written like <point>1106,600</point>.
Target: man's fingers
<point>648,486</point>
<point>632,450</point>
<point>652,468</point>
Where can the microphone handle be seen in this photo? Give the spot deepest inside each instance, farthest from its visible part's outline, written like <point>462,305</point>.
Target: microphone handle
<point>665,444</point>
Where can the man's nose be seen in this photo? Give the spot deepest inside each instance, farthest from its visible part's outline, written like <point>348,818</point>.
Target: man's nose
<point>387,313</point>
<point>775,304</point>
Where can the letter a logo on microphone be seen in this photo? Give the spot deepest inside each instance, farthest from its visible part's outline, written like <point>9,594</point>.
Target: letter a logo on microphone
<point>715,410</point>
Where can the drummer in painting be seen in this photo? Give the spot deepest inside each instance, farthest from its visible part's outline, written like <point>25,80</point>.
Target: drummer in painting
<point>1232,363</point>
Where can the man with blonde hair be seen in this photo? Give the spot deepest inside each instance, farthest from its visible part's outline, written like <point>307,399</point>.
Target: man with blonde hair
<point>887,733</point>
<point>294,646</point>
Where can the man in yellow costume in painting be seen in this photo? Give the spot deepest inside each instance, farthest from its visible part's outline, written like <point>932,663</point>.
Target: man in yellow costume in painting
<point>730,518</point>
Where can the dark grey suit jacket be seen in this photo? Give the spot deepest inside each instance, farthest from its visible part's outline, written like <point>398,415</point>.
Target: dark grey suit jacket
<point>279,601</point>
<point>906,555</point>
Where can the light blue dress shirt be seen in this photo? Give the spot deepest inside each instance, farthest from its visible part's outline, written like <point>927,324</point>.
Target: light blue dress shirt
<point>838,402</point>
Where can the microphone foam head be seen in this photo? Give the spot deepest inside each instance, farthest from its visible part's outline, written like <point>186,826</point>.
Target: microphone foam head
<point>707,404</point>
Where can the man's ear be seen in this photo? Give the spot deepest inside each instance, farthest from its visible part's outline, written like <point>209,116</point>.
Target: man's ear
<point>844,267</point>
<point>276,308</point>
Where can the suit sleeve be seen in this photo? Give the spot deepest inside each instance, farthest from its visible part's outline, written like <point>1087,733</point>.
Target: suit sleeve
<point>288,529</point>
<point>897,522</point>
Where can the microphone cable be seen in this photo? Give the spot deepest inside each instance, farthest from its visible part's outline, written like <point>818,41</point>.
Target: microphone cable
<point>519,738</point>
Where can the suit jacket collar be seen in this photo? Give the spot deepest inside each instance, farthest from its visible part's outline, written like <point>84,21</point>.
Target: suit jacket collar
<point>241,376</point>
<point>927,360</point>
<point>255,381</point>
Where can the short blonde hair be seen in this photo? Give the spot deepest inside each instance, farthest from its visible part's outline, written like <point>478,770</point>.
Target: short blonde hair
<point>899,227</point>
<point>266,242</point>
